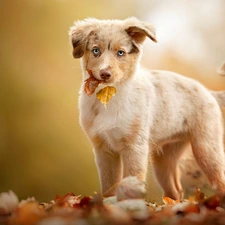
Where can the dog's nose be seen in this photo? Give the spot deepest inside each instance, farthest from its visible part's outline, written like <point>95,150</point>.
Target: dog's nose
<point>105,74</point>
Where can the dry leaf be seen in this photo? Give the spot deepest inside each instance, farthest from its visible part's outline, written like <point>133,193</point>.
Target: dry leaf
<point>169,201</point>
<point>72,209</point>
<point>90,85</point>
<point>199,196</point>
<point>105,94</point>
<point>212,202</point>
<point>67,200</point>
<point>29,214</point>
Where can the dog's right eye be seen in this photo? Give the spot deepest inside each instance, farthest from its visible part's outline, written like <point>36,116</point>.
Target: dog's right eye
<point>96,51</point>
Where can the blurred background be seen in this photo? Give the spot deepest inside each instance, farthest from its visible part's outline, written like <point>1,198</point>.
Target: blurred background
<point>43,151</point>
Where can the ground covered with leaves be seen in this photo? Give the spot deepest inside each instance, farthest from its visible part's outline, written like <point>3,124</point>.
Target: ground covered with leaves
<point>126,207</point>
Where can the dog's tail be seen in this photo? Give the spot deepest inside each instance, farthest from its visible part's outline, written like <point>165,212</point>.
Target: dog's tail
<point>221,70</point>
<point>220,95</point>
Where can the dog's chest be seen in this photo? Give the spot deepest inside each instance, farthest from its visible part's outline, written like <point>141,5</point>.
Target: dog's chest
<point>113,122</point>
<point>109,118</point>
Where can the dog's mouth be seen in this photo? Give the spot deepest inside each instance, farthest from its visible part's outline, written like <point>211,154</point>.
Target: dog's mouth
<point>92,83</point>
<point>104,95</point>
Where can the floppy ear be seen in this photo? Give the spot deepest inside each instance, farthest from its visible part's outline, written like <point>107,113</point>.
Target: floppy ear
<point>79,33</point>
<point>139,30</point>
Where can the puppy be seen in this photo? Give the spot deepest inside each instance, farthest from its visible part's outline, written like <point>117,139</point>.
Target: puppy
<point>154,113</point>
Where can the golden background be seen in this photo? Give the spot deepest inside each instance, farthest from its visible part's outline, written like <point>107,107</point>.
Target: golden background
<point>43,151</point>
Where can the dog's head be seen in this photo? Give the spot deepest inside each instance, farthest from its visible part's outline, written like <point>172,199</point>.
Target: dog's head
<point>110,49</point>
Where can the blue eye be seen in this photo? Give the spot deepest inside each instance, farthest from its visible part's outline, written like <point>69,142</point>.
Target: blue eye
<point>121,53</point>
<point>96,51</point>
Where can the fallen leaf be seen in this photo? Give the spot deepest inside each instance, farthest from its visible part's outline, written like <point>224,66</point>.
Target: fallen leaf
<point>105,94</point>
<point>169,201</point>
<point>85,202</point>
<point>67,200</point>
<point>192,208</point>
<point>199,196</point>
<point>28,214</point>
<point>90,85</point>
<point>212,202</point>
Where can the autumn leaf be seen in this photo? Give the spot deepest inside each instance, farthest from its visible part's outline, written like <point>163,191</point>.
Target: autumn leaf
<point>105,94</point>
<point>169,201</point>
<point>199,196</point>
<point>67,200</point>
<point>212,202</point>
<point>90,85</point>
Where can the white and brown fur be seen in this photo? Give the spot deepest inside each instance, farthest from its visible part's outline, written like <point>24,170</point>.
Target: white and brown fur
<point>154,113</point>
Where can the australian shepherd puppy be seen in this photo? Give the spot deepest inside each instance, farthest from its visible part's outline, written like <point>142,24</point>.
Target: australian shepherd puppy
<point>153,115</point>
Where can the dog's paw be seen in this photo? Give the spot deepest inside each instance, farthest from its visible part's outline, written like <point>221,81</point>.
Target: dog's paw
<point>131,187</point>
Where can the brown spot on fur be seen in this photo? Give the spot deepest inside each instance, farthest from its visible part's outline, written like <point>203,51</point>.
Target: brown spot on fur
<point>154,72</point>
<point>185,122</point>
<point>179,86</point>
<point>132,138</point>
<point>195,175</point>
<point>195,89</point>
<point>109,45</point>
<point>97,141</point>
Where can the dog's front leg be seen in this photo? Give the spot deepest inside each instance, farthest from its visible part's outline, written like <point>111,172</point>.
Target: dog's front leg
<point>135,161</point>
<point>109,168</point>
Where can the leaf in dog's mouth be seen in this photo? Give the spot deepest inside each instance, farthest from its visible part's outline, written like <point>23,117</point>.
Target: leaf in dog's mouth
<point>105,94</point>
<point>91,84</point>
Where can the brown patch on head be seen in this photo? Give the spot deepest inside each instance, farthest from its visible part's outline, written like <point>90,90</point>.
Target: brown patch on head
<point>134,49</point>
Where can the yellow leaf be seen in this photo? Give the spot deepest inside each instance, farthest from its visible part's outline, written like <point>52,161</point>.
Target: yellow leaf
<point>169,201</point>
<point>105,94</point>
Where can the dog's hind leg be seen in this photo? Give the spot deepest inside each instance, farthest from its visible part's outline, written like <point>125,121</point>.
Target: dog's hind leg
<point>207,146</point>
<point>166,167</point>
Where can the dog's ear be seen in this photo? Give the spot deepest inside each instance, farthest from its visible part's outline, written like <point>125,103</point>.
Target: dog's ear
<point>139,30</point>
<point>79,34</point>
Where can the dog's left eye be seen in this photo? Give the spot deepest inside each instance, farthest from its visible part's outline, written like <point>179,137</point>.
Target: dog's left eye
<point>121,53</point>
